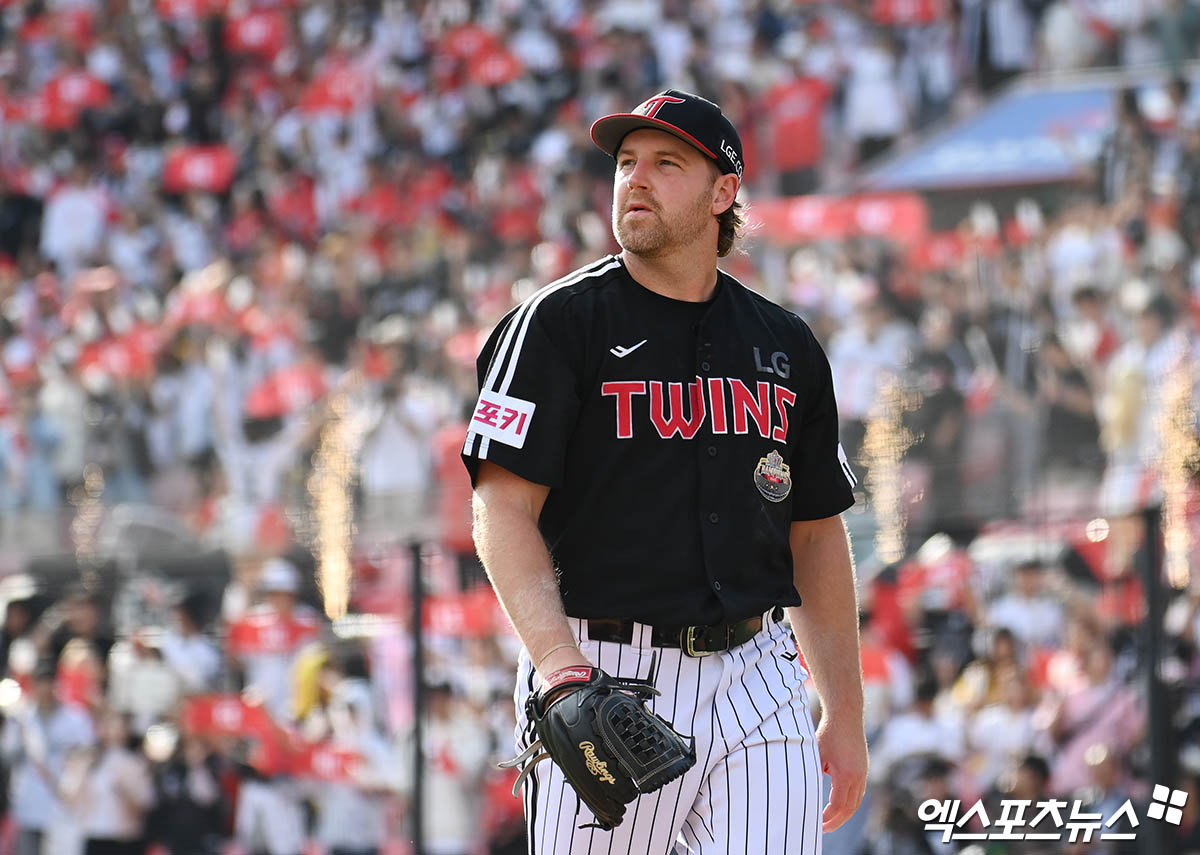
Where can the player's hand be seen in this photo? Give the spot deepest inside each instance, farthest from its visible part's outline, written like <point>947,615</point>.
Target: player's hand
<point>843,747</point>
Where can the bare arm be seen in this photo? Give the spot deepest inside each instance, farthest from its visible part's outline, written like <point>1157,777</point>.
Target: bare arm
<point>512,550</point>
<point>826,628</point>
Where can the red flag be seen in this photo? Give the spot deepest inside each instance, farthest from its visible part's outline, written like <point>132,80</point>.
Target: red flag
<point>68,94</point>
<point>199,167</point>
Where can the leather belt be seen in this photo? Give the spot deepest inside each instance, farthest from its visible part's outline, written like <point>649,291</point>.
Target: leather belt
<point>693,640</point>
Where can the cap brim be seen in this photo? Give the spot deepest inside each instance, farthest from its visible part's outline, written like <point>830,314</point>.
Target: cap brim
<point>608,131</point>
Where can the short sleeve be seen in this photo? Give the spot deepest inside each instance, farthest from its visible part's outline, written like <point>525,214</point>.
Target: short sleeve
<point>822,475</point>
<point>528,401</point>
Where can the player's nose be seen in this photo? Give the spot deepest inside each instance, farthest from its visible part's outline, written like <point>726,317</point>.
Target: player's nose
<point>639,174</point>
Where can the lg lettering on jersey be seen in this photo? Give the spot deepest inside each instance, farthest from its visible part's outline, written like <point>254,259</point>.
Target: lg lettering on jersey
<point>779,364</point>
<point>503,418</point>
<point>724,402</point>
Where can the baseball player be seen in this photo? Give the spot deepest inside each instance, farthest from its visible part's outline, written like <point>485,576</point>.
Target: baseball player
<point>657,478</point>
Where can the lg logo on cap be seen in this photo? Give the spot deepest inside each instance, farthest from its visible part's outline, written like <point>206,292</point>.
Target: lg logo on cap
<point>728,151</point>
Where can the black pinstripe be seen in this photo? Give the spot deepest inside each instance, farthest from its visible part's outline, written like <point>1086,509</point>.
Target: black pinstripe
<point>612,836</point>
<point>725,756</point>
<point>766,756</point>
<point>674,717</point>
<point>787,779</point>
<point>796,688</point>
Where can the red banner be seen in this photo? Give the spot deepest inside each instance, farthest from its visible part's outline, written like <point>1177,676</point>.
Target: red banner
<point>906,13</point>
<point>206,308</point>
<point>900,217</point>
<point>469,40</point>
<point>190,10</point>
<point>471,615</point>
<point>263,33</point>
<point>326,763</point>
<point>939,251</point>
<point>121,358</point>
<point>495,69</point>
<point>226,715</point>
<point>269,633</point>
<point>199,167</point>
<point>67,95</point>
<point>275,751</point>
<point>340,90</point>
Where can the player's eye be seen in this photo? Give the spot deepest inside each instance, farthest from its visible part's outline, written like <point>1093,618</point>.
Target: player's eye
<point>625,162</point>
<point>665,162</point>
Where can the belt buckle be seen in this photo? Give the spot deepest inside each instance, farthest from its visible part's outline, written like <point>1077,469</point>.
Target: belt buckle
<point>689,643</point>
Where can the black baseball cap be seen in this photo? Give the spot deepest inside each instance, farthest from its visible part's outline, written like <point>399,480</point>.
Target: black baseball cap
<point>693,119</point>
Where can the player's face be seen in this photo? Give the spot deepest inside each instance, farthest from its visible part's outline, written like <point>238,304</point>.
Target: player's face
<point>663,196</point>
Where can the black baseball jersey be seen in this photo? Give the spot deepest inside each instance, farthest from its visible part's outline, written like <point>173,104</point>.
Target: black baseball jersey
<point>679,442</point>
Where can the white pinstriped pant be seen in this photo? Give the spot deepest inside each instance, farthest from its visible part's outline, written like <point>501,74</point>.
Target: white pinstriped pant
<point>756,785</point>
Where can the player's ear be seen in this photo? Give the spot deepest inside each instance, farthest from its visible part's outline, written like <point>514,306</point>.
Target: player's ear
<point>724,193</point>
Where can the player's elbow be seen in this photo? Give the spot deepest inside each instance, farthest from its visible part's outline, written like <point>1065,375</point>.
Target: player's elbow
<point>502,498</point>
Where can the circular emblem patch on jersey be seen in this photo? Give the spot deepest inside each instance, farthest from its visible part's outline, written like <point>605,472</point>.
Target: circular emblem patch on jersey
<point>773,478</point>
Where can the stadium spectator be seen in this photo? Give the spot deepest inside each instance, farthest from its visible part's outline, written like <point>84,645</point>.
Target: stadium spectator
<point>187,651</point>
<point>1029,610</point>
<point>910,738</point>
<point>458,749</point>
<point>187,816</point>
<point>116,793</point>
<point>38,738</point>
<point>141,684</point>
<point>352,814</point>
<point>1000,733</point>
<point>1104,711</point>
<point>266,641</point>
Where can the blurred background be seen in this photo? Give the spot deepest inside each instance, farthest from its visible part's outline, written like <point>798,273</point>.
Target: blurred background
<point>249,250</point>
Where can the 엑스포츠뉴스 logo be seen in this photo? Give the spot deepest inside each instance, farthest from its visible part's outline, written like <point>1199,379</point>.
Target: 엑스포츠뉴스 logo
<point>773,477</point>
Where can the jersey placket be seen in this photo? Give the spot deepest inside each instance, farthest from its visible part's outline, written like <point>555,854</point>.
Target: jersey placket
<point>708,456</point>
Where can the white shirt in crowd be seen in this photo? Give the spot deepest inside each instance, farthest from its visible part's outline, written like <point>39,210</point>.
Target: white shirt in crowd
<point>73,226</point>
<point>269,818</point>
<point>115,796</point>
<point>456,751</point>
<point>861,364</point>
<point>395,456</point>
<point>140,684</point>
<point>998,736</point>
<point>194,659</point>
<point>874,102</point>
<point>1034,620</point>
<point>912,734</point>
<point>36,748</point>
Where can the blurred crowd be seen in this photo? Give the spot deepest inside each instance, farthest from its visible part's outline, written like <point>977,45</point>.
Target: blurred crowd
<point>247,254</point>
<point>253,727</point>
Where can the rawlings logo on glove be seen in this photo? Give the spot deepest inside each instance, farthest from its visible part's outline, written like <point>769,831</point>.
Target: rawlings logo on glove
<point>594,764</point>
<point>609,745</point>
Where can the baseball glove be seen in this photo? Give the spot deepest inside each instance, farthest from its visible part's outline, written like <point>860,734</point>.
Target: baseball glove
<point>610,747</point>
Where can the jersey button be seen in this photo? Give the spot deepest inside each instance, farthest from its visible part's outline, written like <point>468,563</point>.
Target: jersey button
<point>714,519</point>
<point>712,451</point>
<point>704,366</point>
<point>716,586</point>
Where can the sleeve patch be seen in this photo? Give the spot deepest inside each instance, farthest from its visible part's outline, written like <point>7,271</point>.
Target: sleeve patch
<point>503,418</point>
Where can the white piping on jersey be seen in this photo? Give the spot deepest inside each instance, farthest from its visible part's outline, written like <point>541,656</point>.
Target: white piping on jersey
<point>523,319</point>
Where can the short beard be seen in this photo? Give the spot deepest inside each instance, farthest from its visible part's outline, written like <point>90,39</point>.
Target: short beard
<point>657,237</point>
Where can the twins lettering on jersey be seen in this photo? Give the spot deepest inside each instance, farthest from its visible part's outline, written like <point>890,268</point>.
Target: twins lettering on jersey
<point>725,403</point>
